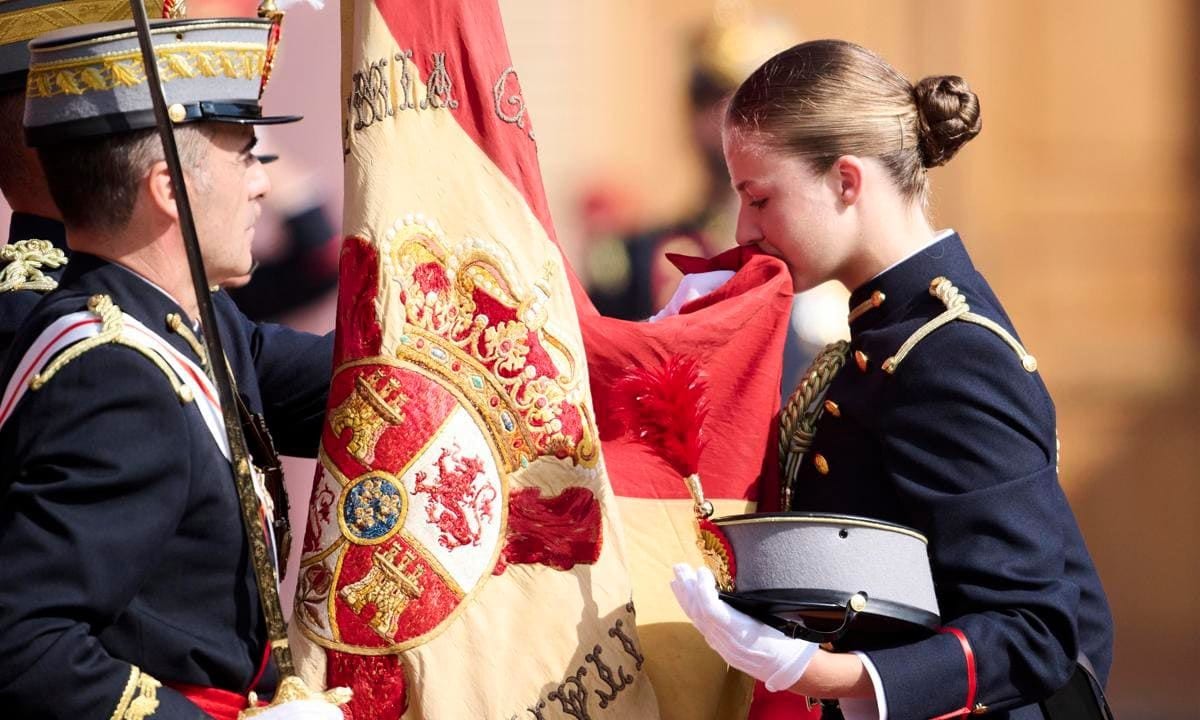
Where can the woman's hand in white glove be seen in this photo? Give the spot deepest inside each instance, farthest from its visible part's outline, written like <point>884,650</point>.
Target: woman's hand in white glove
<point>746,644</point>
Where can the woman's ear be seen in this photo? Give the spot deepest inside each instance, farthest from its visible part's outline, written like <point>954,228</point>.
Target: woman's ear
<point>847,173</point>
<point>160,189</point>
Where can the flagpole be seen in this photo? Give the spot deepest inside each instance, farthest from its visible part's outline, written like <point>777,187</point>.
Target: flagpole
<point>264,570</point>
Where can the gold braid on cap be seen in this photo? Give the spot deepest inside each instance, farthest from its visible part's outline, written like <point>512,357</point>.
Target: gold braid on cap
<point>27,23</point>
<point>176,61</point>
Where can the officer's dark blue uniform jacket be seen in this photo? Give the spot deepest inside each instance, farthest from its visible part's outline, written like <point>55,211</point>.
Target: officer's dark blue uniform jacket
<point>16,305</point>
<point>121,545</point>
<point>959,442</point>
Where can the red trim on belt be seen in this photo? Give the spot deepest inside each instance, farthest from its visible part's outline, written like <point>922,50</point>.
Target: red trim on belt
<point>972,679</point>
<point>222,704</point>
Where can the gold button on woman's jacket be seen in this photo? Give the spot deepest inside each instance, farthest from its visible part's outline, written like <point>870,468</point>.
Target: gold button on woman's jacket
<point>860,357</point>
<point>832,408</point>
<point>821,464</point>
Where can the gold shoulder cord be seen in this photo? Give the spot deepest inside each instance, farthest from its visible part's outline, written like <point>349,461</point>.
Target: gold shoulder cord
<point>25,260</point>
<point>110,333</point>
<point>798,422</point>
<point>956,309</point>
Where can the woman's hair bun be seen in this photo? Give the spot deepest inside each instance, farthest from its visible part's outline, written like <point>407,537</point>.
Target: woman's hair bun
<point>947,116</point>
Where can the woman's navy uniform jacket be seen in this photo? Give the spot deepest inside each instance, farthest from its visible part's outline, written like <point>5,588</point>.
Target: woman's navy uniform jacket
<point>16,304</point>
<point>123,560</point>
<point>959,442</point>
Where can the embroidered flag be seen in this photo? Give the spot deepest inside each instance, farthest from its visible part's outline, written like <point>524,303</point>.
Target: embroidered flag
<point>461,558</point>
<point>734,338</point>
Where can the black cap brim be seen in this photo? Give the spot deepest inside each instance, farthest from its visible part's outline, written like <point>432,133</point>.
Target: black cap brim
<point>72,130</point>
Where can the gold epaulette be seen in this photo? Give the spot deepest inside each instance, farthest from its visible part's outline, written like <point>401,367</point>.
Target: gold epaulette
<point>111,327</point>
<point>140,698</point>
<point>956,309</point>
<point>24,261</point>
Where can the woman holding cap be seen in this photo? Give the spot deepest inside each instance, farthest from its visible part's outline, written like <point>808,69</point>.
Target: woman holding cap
<point>937,420</point>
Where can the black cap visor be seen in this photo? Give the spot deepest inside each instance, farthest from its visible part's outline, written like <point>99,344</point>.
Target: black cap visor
<point>238,113</point>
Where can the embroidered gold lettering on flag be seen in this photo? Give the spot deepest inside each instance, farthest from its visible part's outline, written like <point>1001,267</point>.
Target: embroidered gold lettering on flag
<point>461,556</point>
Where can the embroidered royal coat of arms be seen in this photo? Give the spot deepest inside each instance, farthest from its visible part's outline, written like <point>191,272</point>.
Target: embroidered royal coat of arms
<point>462,557</point>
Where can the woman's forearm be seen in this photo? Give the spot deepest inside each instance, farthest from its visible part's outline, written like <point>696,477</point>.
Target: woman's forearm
<point>835,675</point>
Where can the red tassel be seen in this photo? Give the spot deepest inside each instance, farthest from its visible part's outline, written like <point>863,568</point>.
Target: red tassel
<point>664,408</point>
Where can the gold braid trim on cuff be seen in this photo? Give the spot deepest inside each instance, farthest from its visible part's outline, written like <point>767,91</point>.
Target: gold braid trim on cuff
<point>956,309</point>
<point>140,698</point>
<point>110,333</point>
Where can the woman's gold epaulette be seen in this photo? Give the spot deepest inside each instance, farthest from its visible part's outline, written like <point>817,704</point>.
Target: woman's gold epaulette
<point>111,333</point>
<point>956,309</point>
<point>23,263</point>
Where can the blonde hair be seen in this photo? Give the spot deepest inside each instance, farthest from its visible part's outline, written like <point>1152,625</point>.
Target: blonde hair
<point>827,98</point>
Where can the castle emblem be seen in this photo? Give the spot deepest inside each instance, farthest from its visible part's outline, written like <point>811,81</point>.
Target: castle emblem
<point>374,406</point>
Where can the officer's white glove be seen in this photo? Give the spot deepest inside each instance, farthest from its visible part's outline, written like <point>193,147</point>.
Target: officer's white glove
<point>756,649</point>
<point>692,286</point>
<point>301,710</point>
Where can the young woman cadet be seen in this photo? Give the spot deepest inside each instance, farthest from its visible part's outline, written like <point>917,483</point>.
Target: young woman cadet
<point>938,420</point>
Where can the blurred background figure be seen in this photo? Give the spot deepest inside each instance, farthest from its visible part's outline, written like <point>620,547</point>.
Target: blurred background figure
<point>625,267</point>
<point>296,246</point>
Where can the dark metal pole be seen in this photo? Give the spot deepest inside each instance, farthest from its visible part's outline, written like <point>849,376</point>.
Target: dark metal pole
<point>264,571</point>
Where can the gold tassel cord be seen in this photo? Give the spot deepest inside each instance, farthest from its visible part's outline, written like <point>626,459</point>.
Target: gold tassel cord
<point>798,422</point>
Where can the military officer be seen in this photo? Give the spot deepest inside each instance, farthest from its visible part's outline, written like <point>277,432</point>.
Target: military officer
<point>124,568</point>
<point>37,251</point>
<point>936,419</point>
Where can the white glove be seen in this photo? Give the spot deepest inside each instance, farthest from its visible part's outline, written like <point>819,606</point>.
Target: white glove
<point>288,4</point>
<point>691,287</point>
<point>301,710</point>
<point>748,645</point>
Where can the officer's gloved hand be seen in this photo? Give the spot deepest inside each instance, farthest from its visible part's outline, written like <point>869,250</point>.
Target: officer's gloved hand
<point>692,286</point>
<point>746,644</point>
<point>301,710</point>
